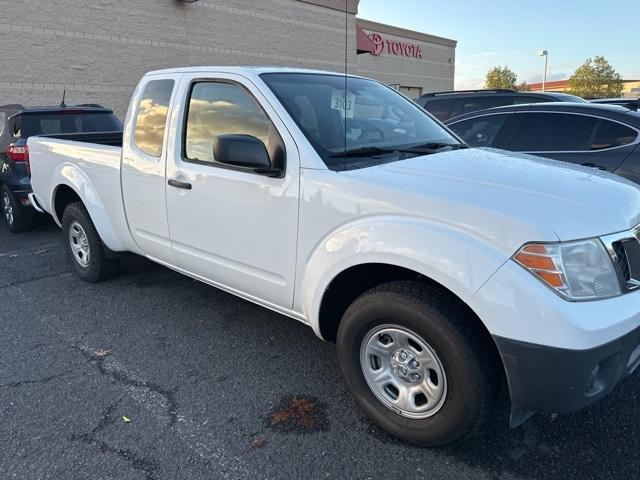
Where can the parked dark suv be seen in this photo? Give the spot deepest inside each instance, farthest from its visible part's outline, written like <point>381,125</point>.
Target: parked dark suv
<point>627,102</point>
<point>606,137</point>
<point>446,105</point>
<point>17,123</point>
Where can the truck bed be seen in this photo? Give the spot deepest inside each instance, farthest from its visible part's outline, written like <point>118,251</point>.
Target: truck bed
<point>93,169</point>
<point>113,139</point>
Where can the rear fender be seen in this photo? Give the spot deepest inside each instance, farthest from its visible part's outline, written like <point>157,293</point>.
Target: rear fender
<point>73,177</point>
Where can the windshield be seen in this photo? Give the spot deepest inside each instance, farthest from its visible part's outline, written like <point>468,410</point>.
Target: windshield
<point>54,123</point>
<point>371,124</point>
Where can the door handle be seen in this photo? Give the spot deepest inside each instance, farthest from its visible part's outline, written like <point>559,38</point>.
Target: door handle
<point>593,165</point>
<point>177,184</point>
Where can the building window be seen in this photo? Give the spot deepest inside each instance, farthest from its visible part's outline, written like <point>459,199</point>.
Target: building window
<point>411,92</point>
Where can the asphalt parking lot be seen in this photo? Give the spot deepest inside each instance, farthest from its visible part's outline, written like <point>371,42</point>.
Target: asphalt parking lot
<point>152,375</point>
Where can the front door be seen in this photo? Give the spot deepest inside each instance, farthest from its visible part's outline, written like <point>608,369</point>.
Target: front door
<point>235,228</point>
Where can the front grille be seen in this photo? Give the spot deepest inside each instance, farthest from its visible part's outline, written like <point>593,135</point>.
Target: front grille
<point>624,249</point>
<point>632,251</point>
<point>622,261</point>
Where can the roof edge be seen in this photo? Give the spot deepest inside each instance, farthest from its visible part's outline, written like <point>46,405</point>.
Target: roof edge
<point>403,32</point>
<point>351,5</point>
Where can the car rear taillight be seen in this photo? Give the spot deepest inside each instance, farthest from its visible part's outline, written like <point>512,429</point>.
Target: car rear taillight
<point>19,154</point>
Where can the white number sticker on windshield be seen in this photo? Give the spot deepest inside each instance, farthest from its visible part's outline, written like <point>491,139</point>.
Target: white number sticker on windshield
<point>339,102</point>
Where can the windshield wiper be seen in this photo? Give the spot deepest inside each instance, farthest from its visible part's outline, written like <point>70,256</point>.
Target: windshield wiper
<point>434,146</point>
<point>365,152</point>
<point>426,148</point>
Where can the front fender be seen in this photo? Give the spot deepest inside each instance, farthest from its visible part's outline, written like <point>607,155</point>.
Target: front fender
<point>73,177</point>
<point>450,256</point>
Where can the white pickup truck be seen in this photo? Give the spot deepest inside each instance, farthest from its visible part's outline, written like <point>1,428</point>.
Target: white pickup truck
<point>444,274</point>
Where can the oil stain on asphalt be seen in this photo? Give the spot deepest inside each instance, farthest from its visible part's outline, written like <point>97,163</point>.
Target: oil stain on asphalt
<point>299,414</point>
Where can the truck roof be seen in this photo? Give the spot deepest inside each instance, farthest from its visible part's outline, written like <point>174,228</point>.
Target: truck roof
<point>243,70</point>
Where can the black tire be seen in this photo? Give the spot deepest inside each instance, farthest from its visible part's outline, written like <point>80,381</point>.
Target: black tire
<point>466,353</point>
<point>17,217</point>
<point>100,266</point>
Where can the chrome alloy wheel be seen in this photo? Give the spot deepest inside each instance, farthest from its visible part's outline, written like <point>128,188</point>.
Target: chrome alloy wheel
<point>7,208</point>
<point>403,371</point>
<point>79,244</point>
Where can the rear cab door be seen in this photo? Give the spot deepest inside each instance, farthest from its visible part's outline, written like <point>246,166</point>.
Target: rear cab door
<point>144,164</point>
<point>234,228</point>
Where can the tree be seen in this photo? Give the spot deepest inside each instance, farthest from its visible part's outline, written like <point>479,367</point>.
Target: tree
<point>596,78</point>
<point>500,77</point>
<point>523,86</point>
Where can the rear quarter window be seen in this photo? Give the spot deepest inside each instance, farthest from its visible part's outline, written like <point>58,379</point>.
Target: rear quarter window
<point>613,134</point>
<point>151,116</point>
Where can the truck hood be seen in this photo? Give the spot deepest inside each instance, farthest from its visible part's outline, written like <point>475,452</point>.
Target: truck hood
<point>506,195</point>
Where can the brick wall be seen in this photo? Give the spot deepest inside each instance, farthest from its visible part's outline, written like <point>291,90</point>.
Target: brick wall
<point>98,49</point>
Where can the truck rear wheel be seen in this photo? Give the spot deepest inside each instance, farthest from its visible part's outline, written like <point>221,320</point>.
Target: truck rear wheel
<point>415,367</point>
<point>17,217</point>
<point>86,250</point>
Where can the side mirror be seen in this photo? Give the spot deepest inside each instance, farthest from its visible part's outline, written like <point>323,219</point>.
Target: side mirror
<point>244,152</point>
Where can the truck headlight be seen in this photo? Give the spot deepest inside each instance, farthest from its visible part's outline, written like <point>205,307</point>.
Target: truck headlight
<point>581,270</point>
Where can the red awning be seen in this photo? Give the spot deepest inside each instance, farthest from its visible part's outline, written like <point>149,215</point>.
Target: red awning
<point>364,43</point>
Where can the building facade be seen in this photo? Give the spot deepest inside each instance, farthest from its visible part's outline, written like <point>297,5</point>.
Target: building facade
<point>97,51</point>
<point>413,62</point>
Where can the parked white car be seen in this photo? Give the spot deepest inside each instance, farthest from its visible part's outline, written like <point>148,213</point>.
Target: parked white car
<point>441,272</point>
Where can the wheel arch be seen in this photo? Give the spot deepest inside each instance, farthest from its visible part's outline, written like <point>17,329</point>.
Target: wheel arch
<point>355,280</point>
<point>71,184</point>
<point>63,195</point>
<point>376,250</point>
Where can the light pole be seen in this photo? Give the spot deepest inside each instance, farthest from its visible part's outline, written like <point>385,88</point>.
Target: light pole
<point>545,54</point>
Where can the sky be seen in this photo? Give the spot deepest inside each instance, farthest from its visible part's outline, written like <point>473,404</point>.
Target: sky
<point>510,33</point>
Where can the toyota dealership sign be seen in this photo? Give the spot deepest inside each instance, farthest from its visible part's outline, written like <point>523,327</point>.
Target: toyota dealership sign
<point>394,47</point>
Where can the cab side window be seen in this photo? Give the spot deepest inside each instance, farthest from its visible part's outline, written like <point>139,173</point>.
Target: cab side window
<point>151,118</point>
<point>221,108</point>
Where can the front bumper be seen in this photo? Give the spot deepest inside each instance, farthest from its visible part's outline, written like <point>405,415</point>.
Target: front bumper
<point>558,355</point>
<point>557,380</point>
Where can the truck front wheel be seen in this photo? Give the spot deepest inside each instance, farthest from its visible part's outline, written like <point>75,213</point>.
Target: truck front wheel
<point>86,250</point>
<point>416,366</point>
